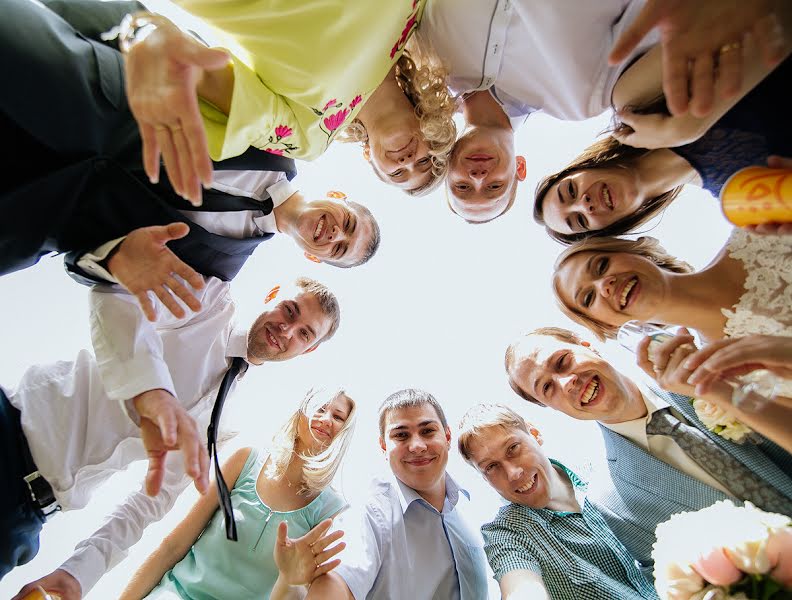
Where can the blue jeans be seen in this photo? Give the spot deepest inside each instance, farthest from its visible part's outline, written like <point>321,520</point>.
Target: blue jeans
<point>20,522</point>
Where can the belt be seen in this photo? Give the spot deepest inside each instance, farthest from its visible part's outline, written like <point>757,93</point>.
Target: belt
<point>41,494</point>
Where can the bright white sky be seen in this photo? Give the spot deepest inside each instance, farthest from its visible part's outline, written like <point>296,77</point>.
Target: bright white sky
<point>435,309</point>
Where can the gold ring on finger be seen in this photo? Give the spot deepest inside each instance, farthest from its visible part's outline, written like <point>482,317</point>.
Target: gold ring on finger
<point>175,128</point>
<point>729,47</point>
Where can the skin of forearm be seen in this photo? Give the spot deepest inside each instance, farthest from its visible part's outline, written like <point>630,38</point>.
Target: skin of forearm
<point>155,566</point>
<point>217,87</point>
<point>329,587</point>
<point>772,421</point>
<point>642,83</point>
<point>284,591</point>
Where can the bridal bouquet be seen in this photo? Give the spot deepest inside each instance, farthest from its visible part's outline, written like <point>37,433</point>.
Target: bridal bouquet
<point>724,552</point>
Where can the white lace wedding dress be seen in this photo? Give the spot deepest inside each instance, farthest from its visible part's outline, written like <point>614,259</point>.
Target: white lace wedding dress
<point>766,305</point>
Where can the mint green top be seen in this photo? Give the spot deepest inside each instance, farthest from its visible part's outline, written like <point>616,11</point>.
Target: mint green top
<point>301,68</point>
<point>218,568</point>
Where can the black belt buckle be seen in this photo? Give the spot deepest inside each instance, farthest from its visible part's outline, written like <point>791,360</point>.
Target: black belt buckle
<point>41,493</point>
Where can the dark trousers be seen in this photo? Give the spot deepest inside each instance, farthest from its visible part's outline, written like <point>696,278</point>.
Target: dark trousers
<point>20,523</point>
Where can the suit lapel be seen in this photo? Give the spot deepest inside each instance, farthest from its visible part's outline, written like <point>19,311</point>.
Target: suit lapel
<point>648,475</point>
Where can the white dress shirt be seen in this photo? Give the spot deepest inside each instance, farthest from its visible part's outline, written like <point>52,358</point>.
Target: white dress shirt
<point>234,224</point>
<point>406,550</point>
<point>534,54</point>
<point>663,447</point>
<point>73,413</point>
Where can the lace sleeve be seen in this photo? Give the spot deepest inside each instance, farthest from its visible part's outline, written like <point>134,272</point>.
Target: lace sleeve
<point>766,305</point>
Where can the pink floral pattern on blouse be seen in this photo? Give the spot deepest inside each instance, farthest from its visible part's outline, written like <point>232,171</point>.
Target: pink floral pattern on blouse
<point>281,147</point>
<point>334,113</point>
<point>412,23</point>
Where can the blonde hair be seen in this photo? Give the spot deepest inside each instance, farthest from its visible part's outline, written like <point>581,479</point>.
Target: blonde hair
<point>422,77</point>
<point>645,246</point>
<point>486,416</point>
<point>318,469</point>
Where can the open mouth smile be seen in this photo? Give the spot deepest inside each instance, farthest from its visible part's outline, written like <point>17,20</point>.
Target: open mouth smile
<point>320,225</point>
<point>528,487</point>
<point>591,393</point>
<point>629,292</point>
<point>272,340</point>
<point>606,197</point>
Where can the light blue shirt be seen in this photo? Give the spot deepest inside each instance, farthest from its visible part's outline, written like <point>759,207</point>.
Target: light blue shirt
<point>410,551</point>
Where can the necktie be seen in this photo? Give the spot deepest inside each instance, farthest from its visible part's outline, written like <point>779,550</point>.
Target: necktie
<point>729,471</point>
<point>222,489</point>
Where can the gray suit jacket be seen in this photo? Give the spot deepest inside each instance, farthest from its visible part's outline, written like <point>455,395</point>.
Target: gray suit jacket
<point>645,491</point>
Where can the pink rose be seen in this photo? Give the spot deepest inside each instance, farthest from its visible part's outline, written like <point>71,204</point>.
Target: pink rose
<point>779,551</point>
<point>333,122</point>
<point>329,104</point>
<point>277,151</point>
<point>355,101</point>
<point>716,567</point>
<point>283,131</point>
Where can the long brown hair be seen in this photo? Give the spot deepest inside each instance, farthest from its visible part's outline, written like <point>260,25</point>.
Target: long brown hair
<point>602,154</point>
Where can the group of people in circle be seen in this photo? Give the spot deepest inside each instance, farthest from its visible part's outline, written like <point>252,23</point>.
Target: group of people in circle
<point>158,162</point>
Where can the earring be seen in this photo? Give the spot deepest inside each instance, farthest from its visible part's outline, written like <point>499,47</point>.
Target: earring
<point>312,258</point>
<point>337,195</point>
<point>586,344</point>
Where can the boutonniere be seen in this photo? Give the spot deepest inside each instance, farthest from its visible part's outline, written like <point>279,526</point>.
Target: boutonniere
<point>720,422</point>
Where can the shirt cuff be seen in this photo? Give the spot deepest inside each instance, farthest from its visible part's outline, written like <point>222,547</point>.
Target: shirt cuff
<point>86,565</point>
<point>90,261</point>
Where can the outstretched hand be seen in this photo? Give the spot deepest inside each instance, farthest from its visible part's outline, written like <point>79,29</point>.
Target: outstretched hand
<point>143,263</point>
<point>58,582</point>
<point>166,426</point>
<point>702,45</point>
<point>302,560</point>
<point>163,72</point>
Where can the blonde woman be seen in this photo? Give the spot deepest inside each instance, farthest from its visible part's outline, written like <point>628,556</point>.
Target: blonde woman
<point>290,483</point>
<point>407,128</point>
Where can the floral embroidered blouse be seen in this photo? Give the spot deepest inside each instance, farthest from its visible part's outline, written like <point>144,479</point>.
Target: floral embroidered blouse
<point>302,68</point>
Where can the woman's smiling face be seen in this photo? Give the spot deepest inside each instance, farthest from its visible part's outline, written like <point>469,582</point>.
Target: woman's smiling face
<point>591,199</point>
<point>611,287</point>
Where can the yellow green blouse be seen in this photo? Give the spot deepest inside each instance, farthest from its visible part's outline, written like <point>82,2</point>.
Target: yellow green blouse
<point>302,68</point>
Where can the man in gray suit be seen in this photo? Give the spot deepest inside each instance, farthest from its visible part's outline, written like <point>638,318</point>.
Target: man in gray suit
<point>661,458</point>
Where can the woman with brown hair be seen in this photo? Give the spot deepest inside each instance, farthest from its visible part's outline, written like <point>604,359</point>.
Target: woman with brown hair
<point>612,188</point>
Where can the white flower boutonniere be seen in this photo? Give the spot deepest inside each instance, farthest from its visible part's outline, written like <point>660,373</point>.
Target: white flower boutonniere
<point>720,422</point>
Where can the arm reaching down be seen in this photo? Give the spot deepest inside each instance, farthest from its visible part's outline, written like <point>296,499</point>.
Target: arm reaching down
<point>696,34</point>
<point>176,544</point>
<point>641,84</point>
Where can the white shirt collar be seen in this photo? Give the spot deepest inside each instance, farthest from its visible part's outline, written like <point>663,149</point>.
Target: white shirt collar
<point>407,495</point>
<point>635,430</point>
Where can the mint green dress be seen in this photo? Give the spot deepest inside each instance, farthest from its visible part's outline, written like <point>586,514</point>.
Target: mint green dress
<point>218,568</point>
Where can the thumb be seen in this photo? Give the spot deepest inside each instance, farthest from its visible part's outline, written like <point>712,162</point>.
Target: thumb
<point>629,38</point>
<point>283,531</point>
<point>174,231</point>
<point>206,58</point>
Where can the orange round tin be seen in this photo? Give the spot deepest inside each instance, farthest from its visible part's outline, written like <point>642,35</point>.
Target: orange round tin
<point>757,195</point>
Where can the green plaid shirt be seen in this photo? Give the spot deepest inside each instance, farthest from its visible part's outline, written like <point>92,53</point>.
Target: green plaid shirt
<point>575,553</point>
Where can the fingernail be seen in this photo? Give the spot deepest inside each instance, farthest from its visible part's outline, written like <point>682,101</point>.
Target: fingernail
<point>154,180</point>
<point>688,364</point>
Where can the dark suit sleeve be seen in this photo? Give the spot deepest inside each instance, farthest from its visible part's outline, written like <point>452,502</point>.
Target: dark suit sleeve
<point>92,18</point>
<point>70,260</point>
